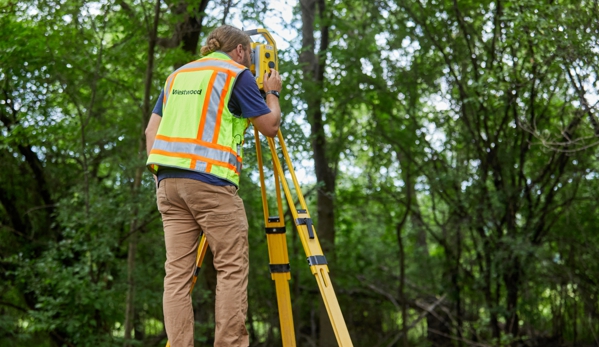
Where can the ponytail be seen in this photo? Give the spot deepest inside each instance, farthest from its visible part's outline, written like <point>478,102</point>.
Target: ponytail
<point>225,38</point>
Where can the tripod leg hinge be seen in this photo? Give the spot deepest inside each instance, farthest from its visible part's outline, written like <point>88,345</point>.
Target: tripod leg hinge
<point>317,260</point>
<point>279,230</point>
<point>308,223</point>
<point>279,268</point>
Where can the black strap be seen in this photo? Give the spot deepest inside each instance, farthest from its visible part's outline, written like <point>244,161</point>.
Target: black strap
<point>275,230</point>
<point>317,260</point>
<point>279,268</point>
<point>279,230</point>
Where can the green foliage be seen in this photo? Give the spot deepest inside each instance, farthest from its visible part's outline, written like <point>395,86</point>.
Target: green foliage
<point>464,129</point>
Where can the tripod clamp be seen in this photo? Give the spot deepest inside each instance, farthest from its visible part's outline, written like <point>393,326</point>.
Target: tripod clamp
<point>307,221</point>
<point>275,230</point>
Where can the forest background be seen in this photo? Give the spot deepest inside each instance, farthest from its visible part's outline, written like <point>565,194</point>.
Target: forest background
<point>447,150</point>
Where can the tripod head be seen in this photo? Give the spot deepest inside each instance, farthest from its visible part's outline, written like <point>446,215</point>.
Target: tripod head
<point>263,57</point>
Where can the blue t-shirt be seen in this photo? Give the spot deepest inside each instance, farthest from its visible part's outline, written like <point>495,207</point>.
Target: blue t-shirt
<point>246,101</point>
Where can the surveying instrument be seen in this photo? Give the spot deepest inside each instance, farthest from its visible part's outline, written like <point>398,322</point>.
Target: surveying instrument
<point>263,58</point>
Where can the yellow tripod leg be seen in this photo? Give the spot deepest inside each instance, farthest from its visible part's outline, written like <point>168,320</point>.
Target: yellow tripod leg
<point>309,239</point>
<point>280,273</point>
<point>203,246</point>
<point>277,254</point>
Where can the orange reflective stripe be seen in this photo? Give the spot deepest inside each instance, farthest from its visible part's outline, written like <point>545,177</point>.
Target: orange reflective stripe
<point>198,150</point>
<point>197,142</point>
<point>206,103</point>
<point>194,157</point>
<point>172,83</point>
<point>221,106</point>
<point>209,168</point>
<point>167,89</point>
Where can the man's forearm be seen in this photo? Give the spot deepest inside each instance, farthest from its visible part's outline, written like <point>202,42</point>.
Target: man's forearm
<point>149,142</point>
<point>275,108</point>
<point>151,131</point>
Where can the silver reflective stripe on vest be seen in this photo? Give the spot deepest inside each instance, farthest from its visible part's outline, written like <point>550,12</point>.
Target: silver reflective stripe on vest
<point>192,148</point>
<point>201,166</point>
<point>212,112</point>
<point>211,63</point>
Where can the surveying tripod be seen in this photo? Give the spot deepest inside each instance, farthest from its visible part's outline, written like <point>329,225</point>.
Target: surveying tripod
<point>277,248</point>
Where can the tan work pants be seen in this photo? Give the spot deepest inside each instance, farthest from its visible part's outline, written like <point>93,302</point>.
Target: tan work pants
<point>188,207</point>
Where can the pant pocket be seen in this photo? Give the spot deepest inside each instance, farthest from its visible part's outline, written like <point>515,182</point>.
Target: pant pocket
<point>162,198</point>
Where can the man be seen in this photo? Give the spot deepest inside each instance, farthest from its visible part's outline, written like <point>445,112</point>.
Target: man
<point>194,140</point>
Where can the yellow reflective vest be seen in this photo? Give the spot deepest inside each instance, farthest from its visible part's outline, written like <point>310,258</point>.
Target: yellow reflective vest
<point>197,131</point>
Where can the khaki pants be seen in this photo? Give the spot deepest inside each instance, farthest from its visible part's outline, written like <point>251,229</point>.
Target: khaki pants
<point>188,207</point>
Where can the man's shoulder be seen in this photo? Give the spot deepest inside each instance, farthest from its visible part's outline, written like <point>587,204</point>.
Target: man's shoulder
<point>246,84</point>
<point>245,77</point>
<point>247,96</point>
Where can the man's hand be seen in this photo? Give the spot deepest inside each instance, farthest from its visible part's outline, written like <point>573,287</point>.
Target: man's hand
<point>268,124</point>
<point>272,82</point>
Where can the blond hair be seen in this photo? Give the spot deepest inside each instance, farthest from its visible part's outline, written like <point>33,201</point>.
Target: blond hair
<point>225,38</point>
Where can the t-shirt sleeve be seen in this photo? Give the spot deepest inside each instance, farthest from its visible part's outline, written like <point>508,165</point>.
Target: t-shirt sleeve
<point>246,99</point>
<point>158,107</point>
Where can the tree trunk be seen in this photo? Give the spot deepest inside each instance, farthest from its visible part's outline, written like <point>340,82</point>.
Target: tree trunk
<point>456,287</point>
<point>132,250</point>
<point>187,32</point>
<point>512,285</point>
<point>402,280</point>
<point>313,66</point>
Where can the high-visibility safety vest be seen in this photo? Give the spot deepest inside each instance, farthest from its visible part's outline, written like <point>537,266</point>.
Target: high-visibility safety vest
<point>197,131</point>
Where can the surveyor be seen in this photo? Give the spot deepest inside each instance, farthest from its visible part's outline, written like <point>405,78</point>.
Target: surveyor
<point>194,143</point>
